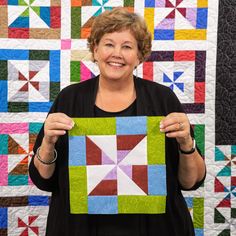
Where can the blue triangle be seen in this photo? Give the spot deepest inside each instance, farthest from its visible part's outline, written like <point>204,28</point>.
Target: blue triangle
<point>180,86</point>
<point>177,75</point>
<point>166,79</point>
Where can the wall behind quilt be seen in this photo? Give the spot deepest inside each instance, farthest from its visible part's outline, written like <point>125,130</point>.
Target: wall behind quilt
<point>43,49</point>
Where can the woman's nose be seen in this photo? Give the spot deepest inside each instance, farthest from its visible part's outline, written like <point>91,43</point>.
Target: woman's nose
<point>117,51</point>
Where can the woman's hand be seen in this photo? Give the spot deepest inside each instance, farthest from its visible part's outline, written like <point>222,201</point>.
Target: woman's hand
<point>56,125</point>
<point>176,125</point>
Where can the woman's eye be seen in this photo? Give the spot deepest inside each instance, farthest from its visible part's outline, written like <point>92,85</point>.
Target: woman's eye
<point>108,45</point>
<point>127,47</point>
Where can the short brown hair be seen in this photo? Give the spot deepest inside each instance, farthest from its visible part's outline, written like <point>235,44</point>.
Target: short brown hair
<point>119,19</point>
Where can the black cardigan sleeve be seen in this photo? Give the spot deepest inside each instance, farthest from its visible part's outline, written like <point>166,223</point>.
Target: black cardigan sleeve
<point>44,184</point>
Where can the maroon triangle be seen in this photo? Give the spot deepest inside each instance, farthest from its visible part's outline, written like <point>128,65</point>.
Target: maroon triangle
<point>182,11</point>
<point>225,203</point>
<point>93,153</point>
<point>32,74</point>
<point>219,187</point>
<point>169,4</point>
<point>178,2</point>
<point>35,85</point>
<point>171,15</point>
<point>25,87</point>
<point>139,176</point>
<point>105,187</point>
<point>128,142</point>
<point>21,76</point>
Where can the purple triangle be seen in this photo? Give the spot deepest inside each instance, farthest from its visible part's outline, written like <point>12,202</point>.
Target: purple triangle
<point>112,174</point>
<point>127,170</point>
<point>121,154</point>
<point>106,159</point>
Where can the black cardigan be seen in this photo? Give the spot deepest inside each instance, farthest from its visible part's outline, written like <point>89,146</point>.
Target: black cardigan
<point>78,100</point>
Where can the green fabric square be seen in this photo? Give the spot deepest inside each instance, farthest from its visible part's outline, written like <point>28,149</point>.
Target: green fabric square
<point>93,126</point>
<point>39,55</point>
<point>198,212</point>
<point>78,189</point>
<point>18,107</point>
<point>3,70</point>
<point>155,141</point>
<point>54,90</point>
<point>75,71</point>
<point>141,204</point>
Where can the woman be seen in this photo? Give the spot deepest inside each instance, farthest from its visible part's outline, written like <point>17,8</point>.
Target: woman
<point>119,42</point>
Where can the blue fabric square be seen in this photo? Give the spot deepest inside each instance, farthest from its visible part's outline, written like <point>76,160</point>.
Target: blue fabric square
<point>102,205</point>
<point>3,218</point>
<point>189,201</point>
<point>199,232</point>
<point>77,151</point>
<point>54,66</point>
<point>131,125</point>
<point>45,15</point>
<point>164,34</point>
<point>39,106</point>
<point>149,3</point>
<point>10,54</point>
<point>202,18</point>
<point>3,96</point>
<point>157,180</point>
<point>38,200</point>
<point>20,22</point>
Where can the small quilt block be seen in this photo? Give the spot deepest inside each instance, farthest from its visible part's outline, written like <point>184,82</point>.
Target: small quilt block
<point>117,166</point>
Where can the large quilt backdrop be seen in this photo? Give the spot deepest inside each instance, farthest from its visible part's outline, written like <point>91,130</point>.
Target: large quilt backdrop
<point>43,49</point>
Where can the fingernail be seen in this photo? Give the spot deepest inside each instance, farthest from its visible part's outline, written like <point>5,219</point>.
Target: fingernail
<point>161,125</point>
<point>162,130</point>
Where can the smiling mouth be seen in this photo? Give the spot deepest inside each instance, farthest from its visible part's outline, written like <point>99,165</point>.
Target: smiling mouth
<point>116,64</point>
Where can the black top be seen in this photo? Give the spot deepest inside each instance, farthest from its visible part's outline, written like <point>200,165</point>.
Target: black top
<point>78,101</point>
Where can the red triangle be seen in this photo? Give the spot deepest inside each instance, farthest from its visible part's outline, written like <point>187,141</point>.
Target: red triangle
<point>219,187</point>
<point>182,11</point>
<point>178,2</point>
<point>171,15</point>
<point>139,176</point>
<point>105,187</point>
<point>35,230</point>
<point>25,232</point>
<point>21,76</point>
<point>225,203</point>
<point>21,223</point>
<point>32,74</point>
<point>93,153</point>
<point>35,85</point>
<point>169,4</point>
<point>25,87</point>
<point>128,142</point>
<point>32,219</point>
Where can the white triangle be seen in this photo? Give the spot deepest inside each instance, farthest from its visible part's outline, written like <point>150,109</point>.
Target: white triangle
<point>87,12</point>
<point>138,155</point>
<point>126,186</point>
<point>14,12</point>
<point>22,67</point>
<point>41,3</point>
<point>36,21</point>
<point>43,74</point>
<point>95,174</point>
<point>181,22</point>
<point>13,91</point>
<point>173,2</point>
<point>161,14</point>
<point>107,143</point>
<point>22,140</point>
<point>113,3</point>
<point>27,2</point>
<point>36,96</point>
<point>13,160</point>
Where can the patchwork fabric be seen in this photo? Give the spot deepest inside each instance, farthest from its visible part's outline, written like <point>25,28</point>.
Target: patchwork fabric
<point>177,20</point>
<point>84,12</point>
<point>30,80</point>
<point>30,19</point>
<point>117,165</point>
<point>225,188</point>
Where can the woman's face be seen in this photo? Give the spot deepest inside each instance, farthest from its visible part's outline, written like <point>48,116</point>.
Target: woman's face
<point>117,55</point>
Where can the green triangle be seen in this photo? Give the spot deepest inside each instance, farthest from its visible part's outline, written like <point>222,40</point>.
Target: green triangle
<point>219,155</point>
<point>26,12</point>
<point>226,171</point>
<point>31,2</point>
<point>218,217</point>
<point>36,10</point>
<point>22,3</point>
<point>225,232</point>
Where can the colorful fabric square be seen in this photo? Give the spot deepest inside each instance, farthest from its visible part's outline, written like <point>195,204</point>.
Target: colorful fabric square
<point>30,19</point>
<point>84,12</point>
<point>177,20</point>
<point>117,166</point>
<point>16,149</point>
<point>196,209</point>
<point>225,186</point>
<point>30,81</point>
<point>182,71</point>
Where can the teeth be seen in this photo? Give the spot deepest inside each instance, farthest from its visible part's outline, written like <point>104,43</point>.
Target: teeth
<point>115,64</point>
